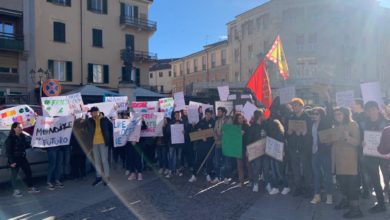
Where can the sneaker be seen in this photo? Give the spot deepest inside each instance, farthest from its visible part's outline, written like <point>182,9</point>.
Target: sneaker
<point>192,179</point>
<point>59,184</point>
<point>97,181</point>
<point>169,175</point>
<point>208,178</point>
<point>274,191</point>
<point>329,199</point>
<point>180,173</point>
<point>285,191</point>
<point>33,190</point>
<point>161,171</point>
<point>132,176</point>
<point>255,187</point>
<point>50,186</point>
<point>316,199</point>
<point>140,178</point>
<point>226,181</point>
<point>377,209</point>
<point>17,193</point>
<point>268,188</point>
<point>215,180</point>
<point>127,173</point>
<point>166,171</point>
<point>249,184</point>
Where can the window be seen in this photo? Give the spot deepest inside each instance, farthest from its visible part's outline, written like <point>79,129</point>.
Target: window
<point>97,6</point>
<point>204,63</point>
<point>236,55</point>
<point>97,38</point>
<point>170,73</point>
<point>188,67</point>
<point>61,2</point>
<point>181,69</point>
<point>4,69</point>
<point>250,51</point>
<point>213,64</point>
<point>129,11</point>
<point>195,65</point>
<point>60,70</point>
<point>151,75</point>
<point>98,73</point>
<point>59,32</point>
<point>160,74</point>
<point>223,57</point>
<point>174,70</point>
<point>7,29</point>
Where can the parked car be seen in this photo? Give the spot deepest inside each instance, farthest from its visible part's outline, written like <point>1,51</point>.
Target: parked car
<point>36,157</point>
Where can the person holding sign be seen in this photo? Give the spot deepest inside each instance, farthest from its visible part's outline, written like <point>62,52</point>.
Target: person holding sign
<point>134,157</point>
<point>345,162</point>
<point>375,121</point>
<point>203,147</point>
<point>300,149</point>
<point>239,119</point>
<point>15,147</point>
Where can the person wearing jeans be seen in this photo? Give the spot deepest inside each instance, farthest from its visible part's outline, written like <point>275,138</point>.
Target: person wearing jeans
<point>55,159</point>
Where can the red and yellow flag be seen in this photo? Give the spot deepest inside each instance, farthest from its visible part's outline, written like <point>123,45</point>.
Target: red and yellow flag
<point>276,55</point>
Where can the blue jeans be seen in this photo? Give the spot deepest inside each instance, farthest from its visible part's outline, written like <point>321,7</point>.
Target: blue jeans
<point>55,159</point>
<point>222,164</point>
<point>174,156</point>
<point>162,156</point>
<point>278,173</point>
<point>322,169</point>
<point>66,161</point>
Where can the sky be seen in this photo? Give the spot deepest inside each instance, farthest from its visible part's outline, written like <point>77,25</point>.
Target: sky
<point>185,26</point>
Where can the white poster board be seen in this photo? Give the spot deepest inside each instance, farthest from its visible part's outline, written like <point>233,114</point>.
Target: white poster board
<point>228,105</point>
<point>108,108</point>
<point>287,94</point>
<point>120,101</point>
<point>52,132</point>
<point>256,149</point>
<point>177,134</point>
<point>248,110</point>
<point>204,106</point>
<point>371,143</point>
<point>22,113</point>
<point>239,108</point>
<point>166,105</point>
<point>179,101</point>
<point>223,92</point>
<point>345,98</point>
<point>76,104</point>
<point>55,106</point>
<point>193,114</point>
<point>232,97</point>
<point>372,92</point>
<point>126,130</point>
<point>274,149</point>
<point>154,120</point>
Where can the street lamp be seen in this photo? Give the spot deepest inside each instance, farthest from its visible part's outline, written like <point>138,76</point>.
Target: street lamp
<point>41,75</point>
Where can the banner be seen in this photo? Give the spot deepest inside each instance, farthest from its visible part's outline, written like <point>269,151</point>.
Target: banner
<point>200,135</point>
<point>223,92</point>
<point>193,114</point>
<point>286,94</point>
<point>145,107</point>
<point>166,105</point>
<point>345,99</point>
<point>228,105</point>
<point>126,130</point>
<point>248,110</point>
<point>232,141</point>
<point>256,149</point>
<point>21,113</point>
<point>51,132</point>
<point>55,106</point>
<point>177,134</point>
<point>371,143</point>
<point>108,108</point>
<point>121,102</point>
<point>76,104</point>
<point>154,120</point>
<point>179,101</point>
<point>274,149</point>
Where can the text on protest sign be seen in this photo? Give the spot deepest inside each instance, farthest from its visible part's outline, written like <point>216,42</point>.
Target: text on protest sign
<point>200,135</point>
<point>21,113</point>
<point>177,134</point>
<point>51,132</point>
<point>76,104</point>
<point>121,102</point>
<point>144,107</point>
<point>371,143</point>
<point>55,106</point>
<point>126,130</point>
<point>166,105</point>
<point>345,99</point>
<point>274,148</point>
<point>154,120</point>
<point>256,149</point>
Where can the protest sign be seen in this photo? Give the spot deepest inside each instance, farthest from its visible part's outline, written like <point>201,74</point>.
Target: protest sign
<point>204,106</point>
<point>179,101</point>
<point>232,141</point>
<point>76,104</point>
<point>223,92</point>
<point>126,130</point>
<point>21,113</point>
<point>228,105</point>
<point>297,126</point>
<point>177,134</point>
<point>121,102</point>
<point>371,143</point>
<point>55,106</point>
<point>239,108</point>
<point>274,148</point>
<point>248,110</point>
<point>256,149</point>
<point>200,135</point>
<point>145,107</point>
<point>108,108</point>
<point>345,99</point>
<point>51,132</point>
<point>232,97</point>
<point>154,122</point>
<point>372,92</point>
<point>286,94</point>
<point>166,105</point>
<point>193,114</point>
<point>331,135</point>
<point>246,96</point>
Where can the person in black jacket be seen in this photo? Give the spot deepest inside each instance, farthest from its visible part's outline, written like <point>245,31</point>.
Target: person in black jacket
<point>15,147</point>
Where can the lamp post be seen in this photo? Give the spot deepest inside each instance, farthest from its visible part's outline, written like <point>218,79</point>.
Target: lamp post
<point>42,74</point>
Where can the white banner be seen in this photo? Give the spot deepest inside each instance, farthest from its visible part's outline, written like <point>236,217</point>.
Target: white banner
<point>51,132</point>
<point>21,113</point>
<point>126,130</point>
<point>274,149</point>
<point>248,110</point>
<point>177,134</point>
<point>345,99</point>
<point>371,143</point>
<point>55,106</point>
<point>179,101</point>
<point>121,102</point>
<point>145,107</point>
<point>153,119</point>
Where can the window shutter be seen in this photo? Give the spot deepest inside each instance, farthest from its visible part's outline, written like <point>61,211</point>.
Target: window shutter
<point>89,4</point>
<point>69,71</point>
<point>63,34</point>
<point>68,3</point>
<point>137,76</point>
<point>123,74</point>
<point>55,31</point>
<point>130,41</point>
<point>100,38</point>
<point>105,74</point>
<point>90,72</point>
<point>105,6</point>
<point>122,9</point>
<point>50,67</point>
<point>135,11</point>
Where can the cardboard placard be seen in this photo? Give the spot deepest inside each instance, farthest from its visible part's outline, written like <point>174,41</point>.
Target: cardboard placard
<point>331,135</point>
<point>297,126</point>
<point>256,149</point>
<point>274,148</point>
<point>372,140</point>
<point>199,135</point>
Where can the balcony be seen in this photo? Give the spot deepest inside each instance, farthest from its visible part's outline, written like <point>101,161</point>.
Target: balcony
<point>128,55</point>
<point>138,23</point>
<point>12,42</point>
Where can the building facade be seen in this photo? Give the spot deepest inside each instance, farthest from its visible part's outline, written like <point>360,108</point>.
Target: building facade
<point>84,42</point>
<point>160,76</point>
<point>202,70</point>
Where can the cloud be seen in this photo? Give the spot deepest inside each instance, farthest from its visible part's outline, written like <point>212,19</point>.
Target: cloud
<point>222,37</point>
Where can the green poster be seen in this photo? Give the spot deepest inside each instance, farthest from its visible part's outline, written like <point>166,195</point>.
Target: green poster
<point>232,141</point>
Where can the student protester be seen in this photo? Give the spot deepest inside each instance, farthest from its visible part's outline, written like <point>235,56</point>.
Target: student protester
<point>188,149</point>
<point>98,136</point>
<point>345,162</point>
<point>55,157</point>
<point>134,156</point>
<point>77,159</point>
<point>203,147</point>
<point>222,164</point>
<point>15,147</point>
<point>375,121</point>
<point>300,150</point>
<point>162,150</point>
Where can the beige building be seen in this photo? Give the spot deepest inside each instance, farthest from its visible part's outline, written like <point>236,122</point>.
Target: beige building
<point>341,43</point>
<point>80,42</point>
<point>160,76</point>
<point>202,70</point>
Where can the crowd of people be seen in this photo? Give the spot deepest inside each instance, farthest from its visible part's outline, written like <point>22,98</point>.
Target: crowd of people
<point>310,168</point>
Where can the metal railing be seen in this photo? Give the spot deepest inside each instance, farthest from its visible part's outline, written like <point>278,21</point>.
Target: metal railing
<point>11,41</point>
<point>136,56</point>
<point>138,23</point>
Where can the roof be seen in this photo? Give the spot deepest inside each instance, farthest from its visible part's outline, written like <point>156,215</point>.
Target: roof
<point>162,64</point>
<point>91,90</point>
<point>215,44</point>
<point>141,92</point>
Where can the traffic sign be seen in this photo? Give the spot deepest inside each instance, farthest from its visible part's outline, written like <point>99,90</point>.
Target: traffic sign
<point>51,87</point>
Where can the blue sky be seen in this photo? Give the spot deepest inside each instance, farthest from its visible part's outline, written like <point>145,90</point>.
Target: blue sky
<point>185,26</point>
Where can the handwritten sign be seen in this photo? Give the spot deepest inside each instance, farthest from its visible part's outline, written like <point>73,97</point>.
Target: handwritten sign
<point>55,106</point>
<point>256,149</point>
<point>232,97</point>
<point>371,141</point>
<point>297,126</point>
<point>223,92</point>
<point>177,134</point>
<point>200,135</point>
<point>51,132</point>
<point>331,135</point>
<point>193,114</point>
<point>248,110</point>
<point>228,105</point>
<point>179,101</point>
<point>345,99</point>
<point>21,113</point>
<point>153,119</point>
<point>76,104</point>
<point>166,105</point>
<point>274,149</point>
<point>108,108</point>
<point>126,130</point>
<point>372,92</point>
<point>121,102</point>
<point>287,94</point>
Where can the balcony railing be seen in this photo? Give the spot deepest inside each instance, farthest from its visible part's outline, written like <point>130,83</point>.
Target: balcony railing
<point>11,41</point>
<point>138,23</point>
<point>128,55</point>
